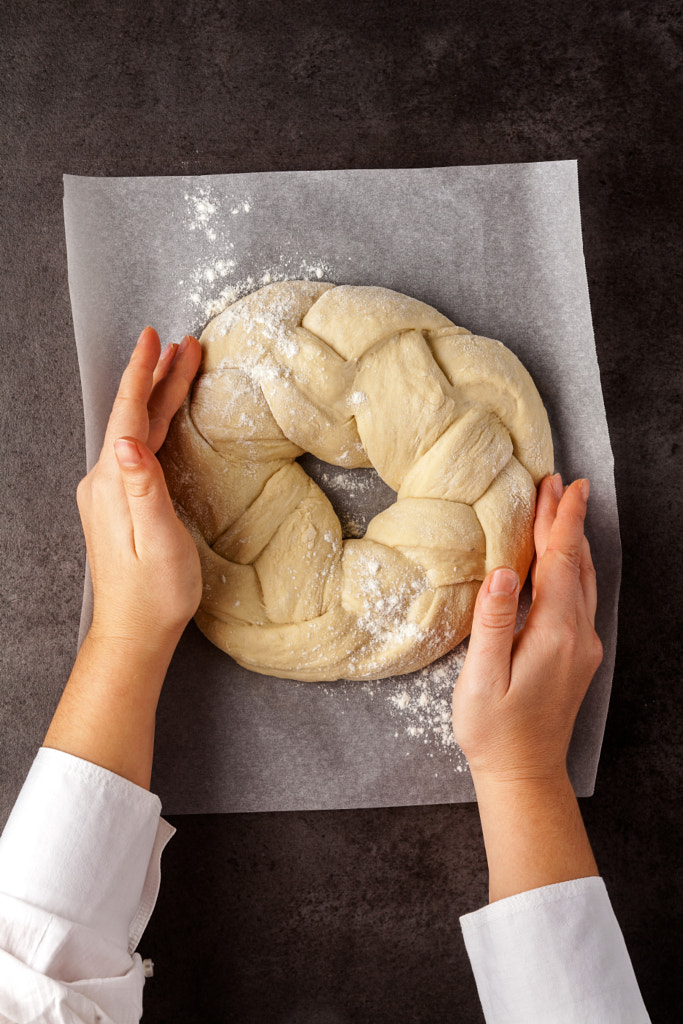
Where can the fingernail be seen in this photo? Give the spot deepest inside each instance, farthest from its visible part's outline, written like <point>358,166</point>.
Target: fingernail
<point>183,344</point>
<point>504,581</point>
<point>556,482</point>
<point>585,486</point>
<point>127,453</point>
<point>168,353</point>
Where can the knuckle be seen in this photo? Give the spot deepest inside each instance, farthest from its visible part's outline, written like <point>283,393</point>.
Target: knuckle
<point>564,559</point>
<point>99,486</point>
<point>577,648</point>
<point>140,488</point>
<point>496,619</point>
<point>86,489</point>
<point>123,402</point>
<point>82,490</point>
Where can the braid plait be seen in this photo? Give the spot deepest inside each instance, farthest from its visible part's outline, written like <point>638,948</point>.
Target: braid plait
<point>358,377</point>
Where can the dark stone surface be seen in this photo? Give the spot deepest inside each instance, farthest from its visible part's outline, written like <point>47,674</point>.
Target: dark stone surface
<point>323,918</point>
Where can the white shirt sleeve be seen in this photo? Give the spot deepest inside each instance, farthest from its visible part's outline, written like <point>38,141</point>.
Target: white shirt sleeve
<point>554,955</point>
<point>79,877</point>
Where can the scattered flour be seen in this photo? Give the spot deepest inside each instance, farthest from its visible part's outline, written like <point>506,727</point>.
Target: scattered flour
<point>203,207</point>
<point>215,281</point>
<point>423,709</point>
<point>419,706</point>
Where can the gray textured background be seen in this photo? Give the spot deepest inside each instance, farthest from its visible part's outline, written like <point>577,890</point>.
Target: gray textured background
<point>331,917</point>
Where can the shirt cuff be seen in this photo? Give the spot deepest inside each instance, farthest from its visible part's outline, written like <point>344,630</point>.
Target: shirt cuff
<point>84,844</point>
<point>553,954</point>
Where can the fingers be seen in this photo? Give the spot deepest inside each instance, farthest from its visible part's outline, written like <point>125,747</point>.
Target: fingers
<point>127,481</point>
<point>170,389</point>
<point>493,629</point>
<point>149,503</point>
<point>165,361</point>
<point>152,388</point>
<point>558,572</point>
<point>549,495</point>
<point>129,414</point>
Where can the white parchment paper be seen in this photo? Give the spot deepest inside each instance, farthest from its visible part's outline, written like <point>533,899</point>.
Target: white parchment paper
<point>497,249</point>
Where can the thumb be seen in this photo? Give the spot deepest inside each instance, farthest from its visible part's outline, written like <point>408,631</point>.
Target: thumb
<point>149,502</point>
<point>493,627</point>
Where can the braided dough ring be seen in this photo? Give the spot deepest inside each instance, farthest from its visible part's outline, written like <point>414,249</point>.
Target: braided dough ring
<point>358,376</point>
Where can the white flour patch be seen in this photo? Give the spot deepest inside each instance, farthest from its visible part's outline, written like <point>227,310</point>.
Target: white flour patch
<point>216,280</point>
<point>422,709</point>
<point>203,208</point>
<point>419,706</point>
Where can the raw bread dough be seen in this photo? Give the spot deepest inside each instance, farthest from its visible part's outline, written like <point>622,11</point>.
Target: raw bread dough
<point>358,376</point>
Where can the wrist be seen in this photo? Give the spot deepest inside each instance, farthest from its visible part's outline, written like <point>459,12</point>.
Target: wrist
<point>107,711</point>
<point>519,783</point>
<point>133,662</point>
<point>533,832</point>
<point>523,796</point>
<point>133,639</point>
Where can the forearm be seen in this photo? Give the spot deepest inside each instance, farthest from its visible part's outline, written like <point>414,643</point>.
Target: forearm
<point>533,833</point>
<point>107,712</point>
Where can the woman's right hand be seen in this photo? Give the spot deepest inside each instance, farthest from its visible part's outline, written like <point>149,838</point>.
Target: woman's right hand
<point>143,562</point>
<point>517,697</point>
